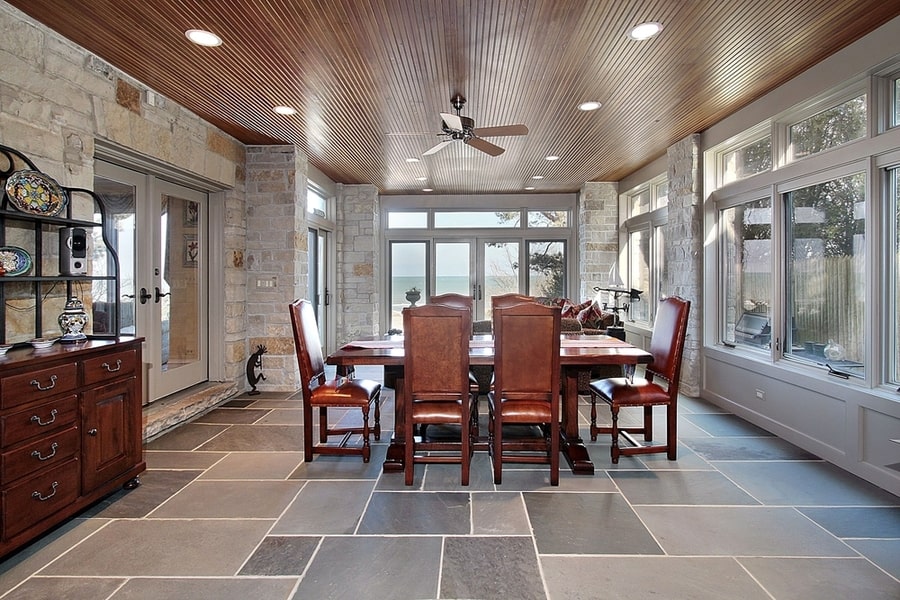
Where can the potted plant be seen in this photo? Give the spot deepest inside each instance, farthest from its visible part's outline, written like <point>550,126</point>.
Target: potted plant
<point>413,295</point>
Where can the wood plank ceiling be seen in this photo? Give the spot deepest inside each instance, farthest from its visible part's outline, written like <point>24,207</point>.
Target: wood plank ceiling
<point>370,77</point>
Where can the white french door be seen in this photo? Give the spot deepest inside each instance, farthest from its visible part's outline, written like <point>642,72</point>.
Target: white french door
<point>160,237</point>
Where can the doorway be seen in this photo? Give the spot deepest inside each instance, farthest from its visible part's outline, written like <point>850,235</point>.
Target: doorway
<point>159,231</point>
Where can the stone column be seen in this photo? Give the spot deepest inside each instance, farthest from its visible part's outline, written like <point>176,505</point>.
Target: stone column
<point>358,243</point>
<point>684,249</point>
<point>598,235</point>
<point>276,258</point>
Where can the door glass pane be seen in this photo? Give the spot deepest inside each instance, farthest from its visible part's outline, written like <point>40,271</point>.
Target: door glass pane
<point>501,271</point>
<point>547,269</point>
<point>119,228</point>
<point>826,273</point>
<point>179,282</point>
<point>747,270</point>
<point>452,262</point>
<point>638,274</point>
<point>407,278</point>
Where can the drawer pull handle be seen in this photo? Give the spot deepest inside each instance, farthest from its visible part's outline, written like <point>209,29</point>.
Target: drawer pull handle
<point>37,384</point>
<point>37,419</point>
<point>110,369</point>
<point>53,447</point>
<point>43,498</point>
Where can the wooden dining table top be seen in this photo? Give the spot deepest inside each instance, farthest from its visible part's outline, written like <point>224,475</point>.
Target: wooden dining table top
<point>575,350</point>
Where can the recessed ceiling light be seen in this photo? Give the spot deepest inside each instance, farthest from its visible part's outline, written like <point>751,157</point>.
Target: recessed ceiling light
<point>589,105</point>
<point>537,176</point>
<point>529,188</point>
<point>203,38</point>
<point>412,160</point>
<point>645,31</point>
<point>427,190</point>
<point>421,178</point>
<point>285,110</point>
<point>552,157</point>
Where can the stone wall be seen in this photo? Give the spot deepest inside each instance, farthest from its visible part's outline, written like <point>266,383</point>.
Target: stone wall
<point>598,235</point>
<point>276,258</point>
<point>684,249</point>
<point>358,245</point>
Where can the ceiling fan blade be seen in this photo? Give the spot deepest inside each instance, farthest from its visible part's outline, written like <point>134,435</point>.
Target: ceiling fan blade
<point>437,148</point>
<point>485,146</point>
<point>452,121</point>
<point>501,130</point>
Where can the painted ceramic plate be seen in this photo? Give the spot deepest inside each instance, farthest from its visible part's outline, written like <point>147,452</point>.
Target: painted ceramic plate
<point>14,261</point>
<point>35,193</point>
<point>42,343</point>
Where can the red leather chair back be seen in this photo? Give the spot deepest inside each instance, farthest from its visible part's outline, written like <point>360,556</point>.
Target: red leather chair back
<point>667,341</point>
<point>436,347</point>
<point>308,345</point>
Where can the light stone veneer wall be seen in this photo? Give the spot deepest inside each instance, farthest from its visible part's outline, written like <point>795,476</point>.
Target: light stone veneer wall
<point>598,235</point>
<point>276,259</point>
<point>358,240</point>
<point>684,249</point>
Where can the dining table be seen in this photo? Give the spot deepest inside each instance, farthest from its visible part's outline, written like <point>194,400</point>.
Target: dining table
<point>577,353</point>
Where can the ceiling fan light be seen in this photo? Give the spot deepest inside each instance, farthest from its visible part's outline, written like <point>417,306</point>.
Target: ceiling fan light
<point>590,105</point>
<point>201,37</point>
<point>285,110</point>
<point>645,31</point>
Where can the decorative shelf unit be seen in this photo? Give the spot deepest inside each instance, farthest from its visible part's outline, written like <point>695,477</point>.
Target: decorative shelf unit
<point>31,302</point>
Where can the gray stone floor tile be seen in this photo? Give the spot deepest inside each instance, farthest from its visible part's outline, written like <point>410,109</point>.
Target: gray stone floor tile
<point>884,553</point>
<point>344,467</point>
<point>822,578</point>
<point>852,522</point>
<point>156,487</point>
<point>70,588</point>
<point>181,459</point>
<point>491,568</point>
<point>287,416</point>
<point>255,465</point>
<point>351,568</point>
<point>725,424</point>
<point>804,484</point>
<point>663,577</point>
<point>738,531</point>
<point>197,589</point>
<point>229,500</point>
<point>189,436</point>
<point>687,460</point>
<point>325,507</point>
<point>499,513</point>
<point>398,513</point>
<point>281,555</point>
<point>232,416</point>
<point>679,487</point>
<point>576,523</point>
<point>746,448</point>
<point>163,548</point>
<point>256,438</point>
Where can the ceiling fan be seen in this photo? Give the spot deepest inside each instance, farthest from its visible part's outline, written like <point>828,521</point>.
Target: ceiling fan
<point>457,127</point>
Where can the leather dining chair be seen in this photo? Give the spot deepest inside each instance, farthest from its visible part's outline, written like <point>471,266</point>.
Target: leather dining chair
<point>526,386</point>
<point>503,300</point>
<point>468,303</point>
<point>436,385</point>
<point>321,393</point>
<point>658,387</point>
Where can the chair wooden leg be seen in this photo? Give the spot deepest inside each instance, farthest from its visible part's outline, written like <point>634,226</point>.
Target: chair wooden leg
<point>408,453</point>
<point>377,430</point>
<point>672,431</point>
<point>466,442</point>
<point>323,425</point>
<point>614,430</point>
<point>366,449</point>
<point>307,432</point>
<point>648,422</point>
<point>497,451</point>
<point>554,453</point>
<point>593,416</point>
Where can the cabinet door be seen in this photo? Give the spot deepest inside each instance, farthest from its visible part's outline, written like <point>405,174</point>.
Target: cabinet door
<point>110,445</point>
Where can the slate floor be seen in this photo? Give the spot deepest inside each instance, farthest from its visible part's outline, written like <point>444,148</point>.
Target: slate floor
<point>229,510</point>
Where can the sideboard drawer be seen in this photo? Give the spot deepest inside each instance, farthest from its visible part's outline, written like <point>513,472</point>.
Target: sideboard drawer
<point>107,368</point>
<point>36,385</point>
<point>39,497</point>
<point>43,453</point>
<point>39,420</point>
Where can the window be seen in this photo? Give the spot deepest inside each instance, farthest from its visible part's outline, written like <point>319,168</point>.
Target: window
<point>829,128</point>
<point>546,268</point>
<point>639,203</point>
<point>480,219</point>
<point>639,261</point>
<point>826,281</point>
<point>642,238</point>
<point>746,250</point>
<point>316,202</point>
<point>407,220</point>
<point>408,273</point>
<point>893,302</point>
<point>746,160</point>
<point>895,94</point>
<point>548,218</point>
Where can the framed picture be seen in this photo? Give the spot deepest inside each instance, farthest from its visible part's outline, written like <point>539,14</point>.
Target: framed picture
<point>191,250</point>
<point>191,213</point>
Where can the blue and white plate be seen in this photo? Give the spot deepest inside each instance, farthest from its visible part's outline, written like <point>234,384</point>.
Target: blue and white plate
<point>14,261</point>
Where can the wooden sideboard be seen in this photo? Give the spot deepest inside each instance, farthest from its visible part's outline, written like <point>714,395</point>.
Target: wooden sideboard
<point>70,432</point>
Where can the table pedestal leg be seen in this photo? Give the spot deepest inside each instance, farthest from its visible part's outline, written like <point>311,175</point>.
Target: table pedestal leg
<point>571,444</point>
<point>393,462</point>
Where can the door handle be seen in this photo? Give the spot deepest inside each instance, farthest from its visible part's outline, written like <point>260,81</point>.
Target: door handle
<point>160,295</point>
<point>145,295</point>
